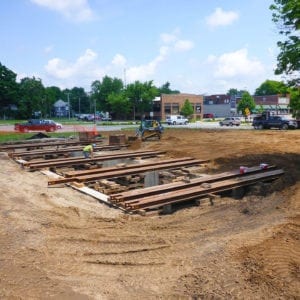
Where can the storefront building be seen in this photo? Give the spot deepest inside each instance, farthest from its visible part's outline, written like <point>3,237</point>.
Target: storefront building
<point>171,104</point>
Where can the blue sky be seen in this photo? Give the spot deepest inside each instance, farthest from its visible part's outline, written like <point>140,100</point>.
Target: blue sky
<point>199,46</point>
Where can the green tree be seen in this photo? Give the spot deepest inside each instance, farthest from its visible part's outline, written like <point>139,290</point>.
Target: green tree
<point>235,92</point>
<point>286,15</point>
<point>32,97</point>
<point>79,100</point>
<point>120,105</point>
<point>247,102</point>
<point>295,101</point>
<point>52,94</point>
<point>8,89</point>
<point>187,108</point>
<point>141,96</point>
<point>271,87</point>
<point>102,89</point>
<point>165,89</point>
<point>232,92</point>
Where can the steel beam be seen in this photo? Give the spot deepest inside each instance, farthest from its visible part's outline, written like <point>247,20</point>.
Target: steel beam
<point>124,172</point>
<point>59,162</point>
<point>198,191</point>
<point>154,190</point>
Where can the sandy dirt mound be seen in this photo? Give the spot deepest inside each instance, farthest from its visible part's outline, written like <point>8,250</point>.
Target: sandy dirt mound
<point>57,243</point>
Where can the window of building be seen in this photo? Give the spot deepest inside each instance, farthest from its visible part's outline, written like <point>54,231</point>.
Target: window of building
<point>175,108</point>
<point>283,100</point>
<point>156,107</point>
<point>167,108</point>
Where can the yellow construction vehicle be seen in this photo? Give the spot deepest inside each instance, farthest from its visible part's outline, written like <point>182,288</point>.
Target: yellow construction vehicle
<point>149,129</point>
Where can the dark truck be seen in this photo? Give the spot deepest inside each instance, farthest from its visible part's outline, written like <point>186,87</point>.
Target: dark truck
<point>36,125</point>
<point>266,122</point>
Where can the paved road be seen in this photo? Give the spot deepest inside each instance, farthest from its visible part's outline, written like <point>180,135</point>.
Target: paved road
<point>90,127</point>
<point>210,125</point>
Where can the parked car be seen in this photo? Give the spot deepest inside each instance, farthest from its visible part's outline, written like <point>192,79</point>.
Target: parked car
<point>35,125</point>
<point>58,125</point>
<point>230,121</point>
<point>176,120</point>
<point>280,122</point>
<point>82,117</point>
<point>208,116</point>
<point>105,118</point>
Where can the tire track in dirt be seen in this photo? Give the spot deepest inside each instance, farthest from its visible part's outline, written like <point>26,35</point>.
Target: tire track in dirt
<point>273,266</point>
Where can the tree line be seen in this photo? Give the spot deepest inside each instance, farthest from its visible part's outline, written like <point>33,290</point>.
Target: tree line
<point>22,99</point>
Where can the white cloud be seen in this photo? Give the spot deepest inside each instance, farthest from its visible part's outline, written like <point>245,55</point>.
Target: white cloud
<point>88,57</point>
<point>222,72</point>
<point>119,60</point>
<point>172,37</point>
<point>168,38</point>
<point>144,72</point>
<point>233,70</point>
<point>179,45</point>
<point>82,72</point>
<point>164,51</point>
<point>235,64</point>
<point>221,18</point>
<point>75,10</point>
<point>183,45</point>
<point>211,58</point>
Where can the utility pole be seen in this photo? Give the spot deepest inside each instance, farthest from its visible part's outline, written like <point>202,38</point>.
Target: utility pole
<point>79,105</point>
<point>69,108</point>
<point>95,110</point>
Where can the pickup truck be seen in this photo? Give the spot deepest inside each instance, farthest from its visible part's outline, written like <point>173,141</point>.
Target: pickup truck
<point>176,120</point>
<point>280,122</point>
<point>35,125</point>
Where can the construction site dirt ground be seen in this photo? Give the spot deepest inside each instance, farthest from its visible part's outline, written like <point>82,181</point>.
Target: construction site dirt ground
<point>57,243</point>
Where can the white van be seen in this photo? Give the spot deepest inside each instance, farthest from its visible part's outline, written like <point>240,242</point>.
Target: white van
<point>176,120</point>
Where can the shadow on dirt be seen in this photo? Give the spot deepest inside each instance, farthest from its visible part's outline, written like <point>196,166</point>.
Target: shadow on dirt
<point>289,162</point>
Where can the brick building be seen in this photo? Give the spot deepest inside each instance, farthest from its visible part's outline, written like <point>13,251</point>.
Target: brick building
<point>276,104</point>
<point>171,104</point>
<point>225,105</point>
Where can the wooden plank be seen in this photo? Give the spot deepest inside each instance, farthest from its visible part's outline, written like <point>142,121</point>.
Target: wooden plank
<point>91,192</point>
<point>197,191</point>
<point>125,167</point>
<point>39,153</point>
<point>95,194</point>
<point>44,144</point>
<point>133,194</point>
<point>113,155</point>
<point>51,174</point>
<point>77,161</point>
<point>124,172</point>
